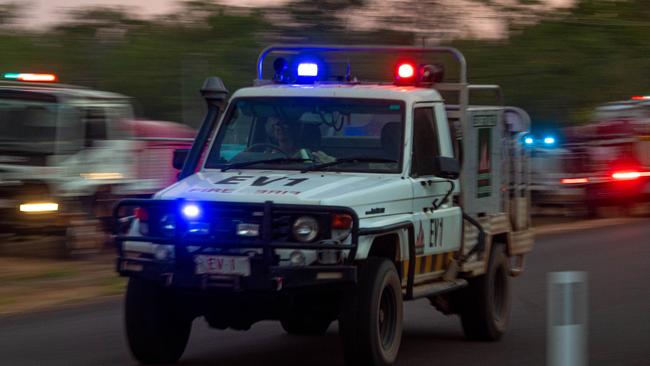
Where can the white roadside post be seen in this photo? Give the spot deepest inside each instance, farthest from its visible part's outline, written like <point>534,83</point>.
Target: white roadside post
<point>566,336</point>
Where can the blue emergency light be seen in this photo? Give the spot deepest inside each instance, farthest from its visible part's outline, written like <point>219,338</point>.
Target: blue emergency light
<point>529,140</point>
<point>191,211</point>
<point>549,140</point>
<point>307,69</point>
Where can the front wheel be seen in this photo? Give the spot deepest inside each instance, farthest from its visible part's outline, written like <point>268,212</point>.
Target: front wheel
<point>157,328</point>
<point>371,319</point>
<point>485,304</point>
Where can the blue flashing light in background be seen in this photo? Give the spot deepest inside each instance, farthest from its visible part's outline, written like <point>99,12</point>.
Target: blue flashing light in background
<point>549,140</point>
<point>307,69</point>
<point>529,140</point>
<point>191,211</point>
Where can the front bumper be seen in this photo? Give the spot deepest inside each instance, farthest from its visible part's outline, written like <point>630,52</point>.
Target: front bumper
<point>262,278</point>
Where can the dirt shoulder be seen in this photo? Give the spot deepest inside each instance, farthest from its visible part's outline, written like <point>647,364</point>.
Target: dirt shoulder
<point>35,284</point>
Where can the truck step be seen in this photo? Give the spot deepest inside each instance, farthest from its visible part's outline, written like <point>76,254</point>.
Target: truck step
<point>437,288</point>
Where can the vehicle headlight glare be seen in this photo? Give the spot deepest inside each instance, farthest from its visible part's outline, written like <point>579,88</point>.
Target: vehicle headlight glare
<point>305,229</point>
<point>39,207</point>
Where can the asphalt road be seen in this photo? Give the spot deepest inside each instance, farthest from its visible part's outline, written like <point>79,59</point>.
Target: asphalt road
<point>616,258</point>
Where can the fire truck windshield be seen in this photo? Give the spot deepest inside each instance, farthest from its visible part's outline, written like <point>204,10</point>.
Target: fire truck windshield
<point>27,125</point>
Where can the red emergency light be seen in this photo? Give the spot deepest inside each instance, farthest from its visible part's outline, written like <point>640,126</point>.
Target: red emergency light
<point>405,73</point>
<point>641,97</point>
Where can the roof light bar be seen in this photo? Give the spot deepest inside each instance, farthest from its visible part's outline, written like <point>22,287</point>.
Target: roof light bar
<point>641,97</point>
<point>30,77</point>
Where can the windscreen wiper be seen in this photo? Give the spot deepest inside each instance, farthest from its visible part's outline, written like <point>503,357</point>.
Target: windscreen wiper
<point>263,161</point>
<point>361,159</point>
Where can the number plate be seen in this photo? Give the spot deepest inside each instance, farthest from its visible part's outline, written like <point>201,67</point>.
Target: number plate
<point>222,264</point>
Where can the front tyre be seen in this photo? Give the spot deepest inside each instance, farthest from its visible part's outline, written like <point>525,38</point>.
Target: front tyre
<point>485,304</point>
<point>371,319</point>
<point>157,328</point>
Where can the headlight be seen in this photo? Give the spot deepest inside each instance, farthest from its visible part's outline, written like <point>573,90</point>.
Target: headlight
<point>305,229</point>
<point>40,207</point>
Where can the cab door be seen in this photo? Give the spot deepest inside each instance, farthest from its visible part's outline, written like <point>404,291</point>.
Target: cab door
<point>438,222</point>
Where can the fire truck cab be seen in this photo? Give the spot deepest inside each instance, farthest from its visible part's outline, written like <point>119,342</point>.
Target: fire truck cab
<point>612,156</point>
<point>317,196</point>
<point>68,153</point>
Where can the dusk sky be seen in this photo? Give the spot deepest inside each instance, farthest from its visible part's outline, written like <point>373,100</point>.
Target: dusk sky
<point>46,12</point>
<point>465,18</point>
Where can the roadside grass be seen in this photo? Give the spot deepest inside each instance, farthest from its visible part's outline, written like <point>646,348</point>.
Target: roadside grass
<point>113,285</point>
<point>51,274</point>
<point>28,284</point>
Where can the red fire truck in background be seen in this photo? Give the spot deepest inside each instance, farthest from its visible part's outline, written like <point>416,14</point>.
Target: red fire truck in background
<point>610,157</point>
<point>67,153</point>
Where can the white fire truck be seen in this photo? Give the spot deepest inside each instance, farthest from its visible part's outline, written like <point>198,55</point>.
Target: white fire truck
<point>317,196</point>
<point>609,159</point>
<point>68,153</point>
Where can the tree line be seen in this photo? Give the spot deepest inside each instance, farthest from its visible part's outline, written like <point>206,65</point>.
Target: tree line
<point>558,68</point>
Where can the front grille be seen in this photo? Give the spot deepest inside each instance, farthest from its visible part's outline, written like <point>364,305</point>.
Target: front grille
<point>221,221</point>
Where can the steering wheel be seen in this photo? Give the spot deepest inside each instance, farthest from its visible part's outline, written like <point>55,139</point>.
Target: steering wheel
<point>256,147</point>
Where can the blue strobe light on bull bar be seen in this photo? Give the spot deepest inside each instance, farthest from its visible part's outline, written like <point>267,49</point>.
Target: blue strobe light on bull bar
<point>191,211</point>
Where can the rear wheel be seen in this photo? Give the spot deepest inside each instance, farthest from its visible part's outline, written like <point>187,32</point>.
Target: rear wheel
<point>485,304</point>
<point>371,320</point>
<point>157,327</point>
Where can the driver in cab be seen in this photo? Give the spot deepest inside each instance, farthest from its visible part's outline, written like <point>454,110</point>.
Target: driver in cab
<point>300,142</point>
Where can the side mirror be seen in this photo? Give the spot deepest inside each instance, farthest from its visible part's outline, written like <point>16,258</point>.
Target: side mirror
<point>180,155</point>
<point>446,167</point>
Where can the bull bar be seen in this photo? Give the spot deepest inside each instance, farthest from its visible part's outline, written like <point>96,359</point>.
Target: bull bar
<point>266,274</point>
